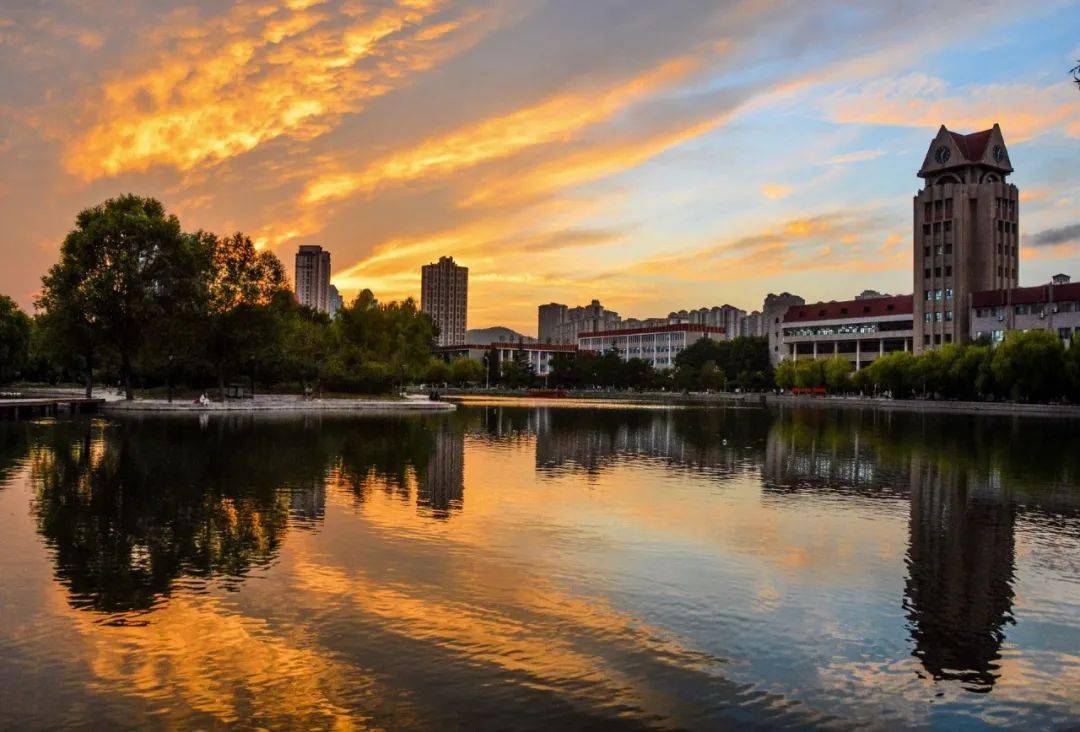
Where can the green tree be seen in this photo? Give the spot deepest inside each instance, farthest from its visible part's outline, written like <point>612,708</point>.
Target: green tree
<point>893,373</point>
<point>837,371</point>
<point>241,325</point>
<point>122,272</point>
<point>465,371</point>
<point>711,377</point>
<point>809,373</point>
<point>15,326</point>
<point>1030,365</point>
<point>437,372</point>
<point>784,376</point>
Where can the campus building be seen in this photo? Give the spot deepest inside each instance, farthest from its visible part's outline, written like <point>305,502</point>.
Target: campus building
<point>966,232</point>
<point>658,345</point>
<point>312,277</point>
<point>537,355</point>
<point>860,330</point>
<point>557,323</point>
<point>1054,307</point>
<point>772,317</point>
<point>444,295</point>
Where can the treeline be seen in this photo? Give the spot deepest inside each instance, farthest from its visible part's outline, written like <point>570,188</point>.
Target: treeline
<point>135,299</point>
<point>706,365</point>
<point>1032,366</point>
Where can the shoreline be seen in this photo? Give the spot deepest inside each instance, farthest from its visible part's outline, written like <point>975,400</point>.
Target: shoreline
<point>278,405</point>
<point>926,406</point>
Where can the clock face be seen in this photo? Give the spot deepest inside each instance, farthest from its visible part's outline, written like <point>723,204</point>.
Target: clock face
<point>942,155</point>
<point>999,153</point>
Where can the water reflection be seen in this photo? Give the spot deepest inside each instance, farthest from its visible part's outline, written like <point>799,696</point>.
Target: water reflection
<point>607,565</point>
<point>129,507</point>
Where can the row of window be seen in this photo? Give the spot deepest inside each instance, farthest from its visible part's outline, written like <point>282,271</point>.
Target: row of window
<point>939,227</point>
<point>937,271</point>
<point>1004,208</point>
<point>938,250</point>
<point>938,209</point>
<point>1006,227</point>
<point>939,294</point>
<point>937,339</point>
<point>997,336</point>
<point>938,317</point>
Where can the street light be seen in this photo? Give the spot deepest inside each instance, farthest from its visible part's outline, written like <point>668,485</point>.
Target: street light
<point>168,377</point>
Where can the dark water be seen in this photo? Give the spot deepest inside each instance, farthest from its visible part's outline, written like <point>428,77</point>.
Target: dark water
<point>541,567</point>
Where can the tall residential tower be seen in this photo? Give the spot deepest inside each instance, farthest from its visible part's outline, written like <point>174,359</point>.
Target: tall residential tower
<point>444,295</point>
<point>966,235</point>
<point>313,277</point>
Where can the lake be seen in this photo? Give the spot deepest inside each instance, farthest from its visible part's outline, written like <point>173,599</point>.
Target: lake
<point>541,566</point>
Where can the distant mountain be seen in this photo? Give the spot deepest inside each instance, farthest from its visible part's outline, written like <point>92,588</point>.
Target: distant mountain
<point>495,334</point>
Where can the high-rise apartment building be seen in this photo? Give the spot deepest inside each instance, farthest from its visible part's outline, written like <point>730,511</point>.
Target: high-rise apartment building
<point>334,301</point>
<point>966,232</point>
<point>444,295</point>
<point>312,278</point>
<point>548,319</point>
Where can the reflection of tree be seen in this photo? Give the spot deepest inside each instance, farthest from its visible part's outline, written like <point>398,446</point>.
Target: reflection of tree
<point>128,508</point>
<point>698,439</point>
<point>960,568</point>
<point>13,447</point>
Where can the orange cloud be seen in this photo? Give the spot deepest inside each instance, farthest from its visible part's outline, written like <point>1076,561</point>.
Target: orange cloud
<point>555,119</point>
<point>257,74</point>
<point>918,100</point>
<point>775,191</point>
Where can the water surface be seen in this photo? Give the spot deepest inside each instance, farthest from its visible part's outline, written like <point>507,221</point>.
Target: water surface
<point>541,567</point>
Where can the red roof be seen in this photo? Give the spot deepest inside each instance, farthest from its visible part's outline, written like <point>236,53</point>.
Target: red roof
<point>525,346</point>
<point>972,146</point>
<point>673,328</point>
<point>870,308</point>
<point>1025,295</point>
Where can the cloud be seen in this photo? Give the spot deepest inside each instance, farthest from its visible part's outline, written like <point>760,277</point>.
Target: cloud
<point>1024,111</point>
<point>557,118</point>
<point>221,89</point>
<point>858,156</point>
<point>775,191</point>
<point>1053,237</point>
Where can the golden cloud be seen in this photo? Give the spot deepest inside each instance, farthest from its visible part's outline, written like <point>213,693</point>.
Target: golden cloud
<point>257,74</point>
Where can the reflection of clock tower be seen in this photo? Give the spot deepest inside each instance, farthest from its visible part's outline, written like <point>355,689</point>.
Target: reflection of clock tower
<point>966,232</point>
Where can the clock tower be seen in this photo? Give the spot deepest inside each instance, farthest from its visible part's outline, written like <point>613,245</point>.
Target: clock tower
<point>966,232</point>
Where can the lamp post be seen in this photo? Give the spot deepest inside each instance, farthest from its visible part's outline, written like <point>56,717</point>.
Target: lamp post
<point>168,377</point>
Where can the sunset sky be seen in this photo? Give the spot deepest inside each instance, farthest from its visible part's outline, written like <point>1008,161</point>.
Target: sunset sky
<point>654,155</point>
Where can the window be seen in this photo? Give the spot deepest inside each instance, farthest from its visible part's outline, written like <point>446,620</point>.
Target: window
<point>937,271</point>
<point>937,339</point>
<point>937,317</point>
<point>926,210</point>
<point>926,229</point>
<point>926,340</point>
<point>1021,309</point>
<point>948,247</point>
<point>948,210</point>
<point>948,226</point>
<point>926,251</point>
<point>929,295</point>
<point>948,337</point>
<point>1065,333</point>
<point>937,295</point>
<point>926,273</point>
<point>948,270</point>
<point>998,336</point>
<point>948,293</point>
<point>928,317</point>
<point>948,316</point>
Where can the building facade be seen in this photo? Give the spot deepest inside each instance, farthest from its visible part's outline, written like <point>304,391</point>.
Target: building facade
<point>444,295</point>
<point>657,345</point>
<point>966,232</point>
<point>752,325</point>
<point>582,319</point>
<point>772,317</point>
<point>537,355</point>
<point>860,330</point>
<point>548,319</point>
<point>334,301</point>
<point>1054,307</point>
<point>312,277</point>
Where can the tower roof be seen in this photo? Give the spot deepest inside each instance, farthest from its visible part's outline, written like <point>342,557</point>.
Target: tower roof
<point>951,150</point>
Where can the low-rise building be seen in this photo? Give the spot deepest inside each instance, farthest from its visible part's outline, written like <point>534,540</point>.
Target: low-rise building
<point>860,330</point>
<point>538,355</point>
<point>1054,306</point>
<point>658,345</point>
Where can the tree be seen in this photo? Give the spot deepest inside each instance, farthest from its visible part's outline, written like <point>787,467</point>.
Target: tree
<point>1030,365</point>
<point>784,375</point>
<point>710,377</point>
<point>241,327</point>
<point>893,373</point>
<point>121,272</point>
<point>437,372</point>
<point>465,371</point>
<point>809,373</point>
<point>837,371</point>
<point>14,339</point>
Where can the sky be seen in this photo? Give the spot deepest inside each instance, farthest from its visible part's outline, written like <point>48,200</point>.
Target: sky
<point>654,155</point>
